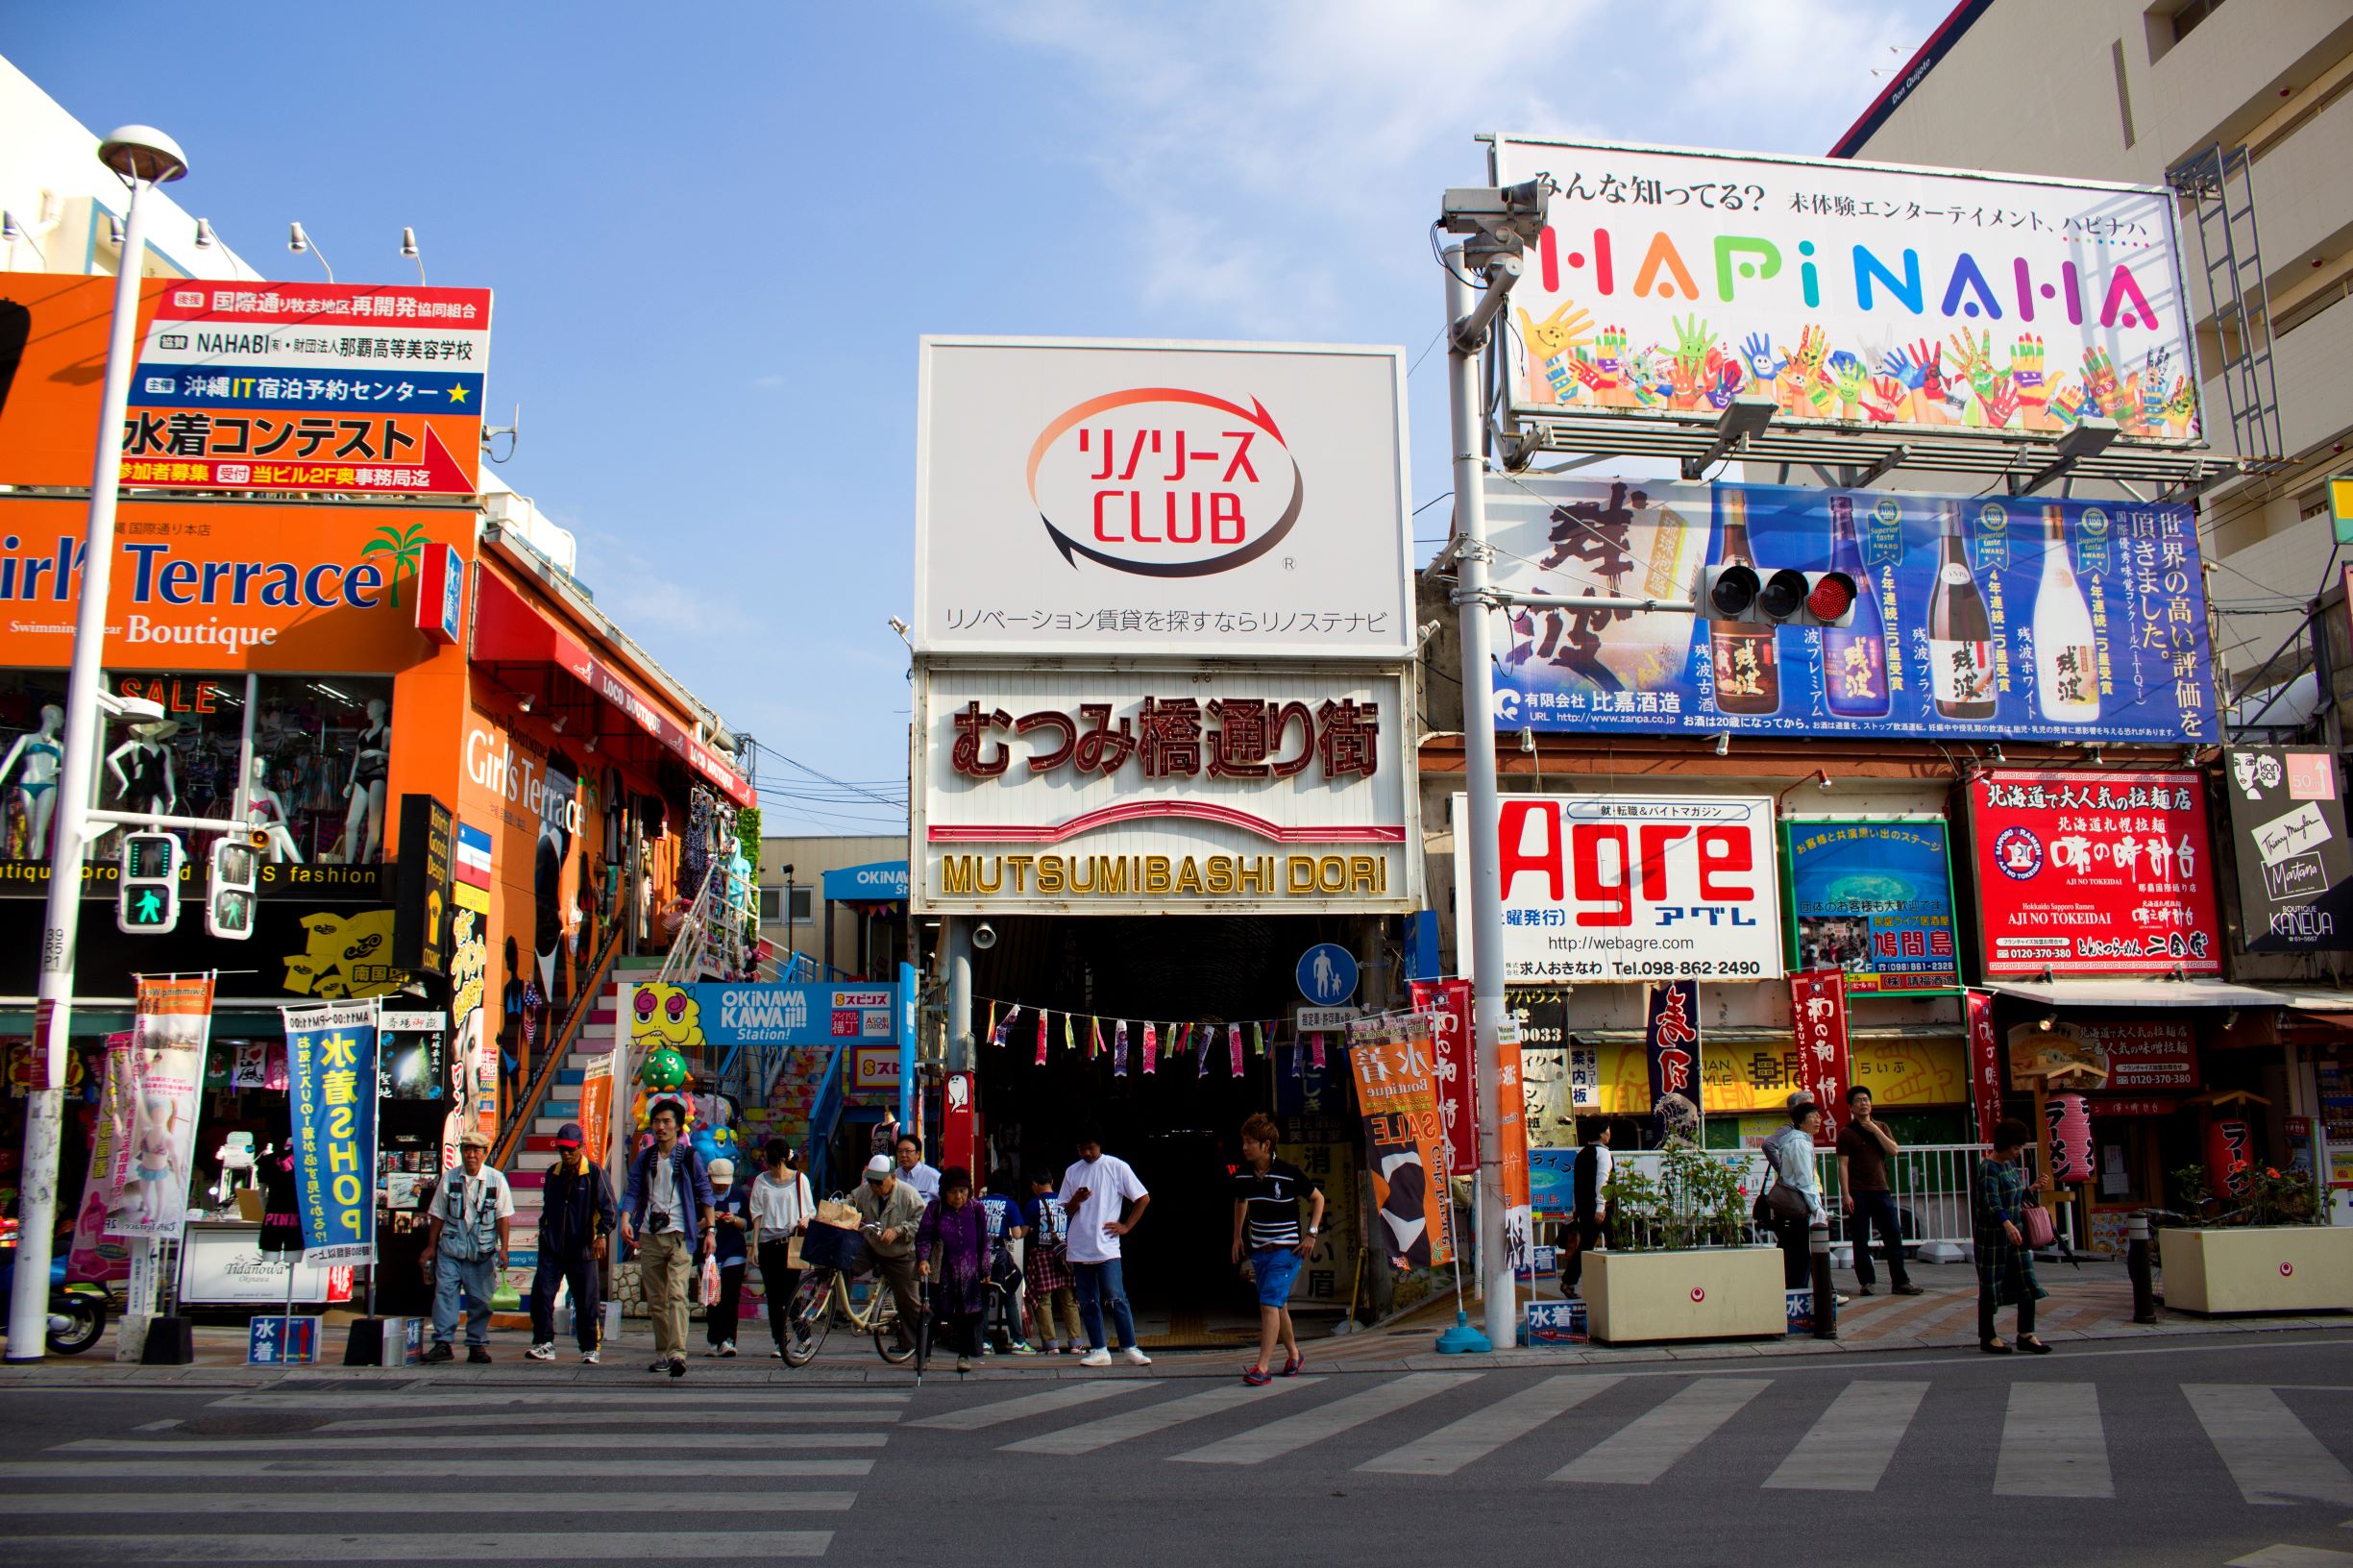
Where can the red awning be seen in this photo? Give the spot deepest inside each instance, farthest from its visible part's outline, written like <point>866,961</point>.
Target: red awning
<point>508,630</point>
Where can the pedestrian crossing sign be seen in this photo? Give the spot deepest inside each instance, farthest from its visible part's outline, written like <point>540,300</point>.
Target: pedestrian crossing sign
<point>147,900</point>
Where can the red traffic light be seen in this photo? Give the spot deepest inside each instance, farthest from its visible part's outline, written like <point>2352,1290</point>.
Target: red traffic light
<point>1833,596</point>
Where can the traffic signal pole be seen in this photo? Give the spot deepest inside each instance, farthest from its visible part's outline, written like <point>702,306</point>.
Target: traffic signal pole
<point>77,784</point>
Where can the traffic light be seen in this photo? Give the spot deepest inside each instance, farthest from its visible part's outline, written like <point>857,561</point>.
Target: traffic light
<point>148,900</point>
<point>236,877</point>
<point>1788,597</point>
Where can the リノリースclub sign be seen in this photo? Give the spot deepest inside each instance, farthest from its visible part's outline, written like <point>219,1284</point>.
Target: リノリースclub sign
<point>1671,282</point>
<point>1275,789</point>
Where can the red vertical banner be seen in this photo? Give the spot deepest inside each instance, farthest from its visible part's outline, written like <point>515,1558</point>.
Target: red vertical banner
<point>1984,1065</point>
<point>1447,1002</point>
<point>959,1129</point>
<point>1818,1009</point>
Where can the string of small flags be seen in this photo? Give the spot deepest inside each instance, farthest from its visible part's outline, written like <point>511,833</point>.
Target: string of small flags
<point>1151,1045</point>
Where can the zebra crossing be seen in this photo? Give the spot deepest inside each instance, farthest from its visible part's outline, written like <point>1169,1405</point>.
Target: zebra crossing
<point>384,1476</point>
<point>2055,1439</point>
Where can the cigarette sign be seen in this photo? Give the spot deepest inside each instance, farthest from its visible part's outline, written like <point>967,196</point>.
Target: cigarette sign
<point>1625,886</point>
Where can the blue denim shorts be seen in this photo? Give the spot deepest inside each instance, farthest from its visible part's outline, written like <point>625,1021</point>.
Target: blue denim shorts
<point>1275,1269</point>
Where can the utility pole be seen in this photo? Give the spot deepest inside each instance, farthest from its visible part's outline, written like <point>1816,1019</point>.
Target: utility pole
<point>142,157</point>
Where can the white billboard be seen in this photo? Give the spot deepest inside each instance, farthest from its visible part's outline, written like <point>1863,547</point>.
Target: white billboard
<point>1629,886</point>
<point>1136,499</point>
<point>1670,281</point>
<point>1180,790</point>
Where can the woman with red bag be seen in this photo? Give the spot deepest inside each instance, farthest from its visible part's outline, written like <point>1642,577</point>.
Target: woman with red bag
<point>2005,1266</point>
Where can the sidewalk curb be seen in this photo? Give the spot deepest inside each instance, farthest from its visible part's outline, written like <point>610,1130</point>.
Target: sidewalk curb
<point>109,1377</point>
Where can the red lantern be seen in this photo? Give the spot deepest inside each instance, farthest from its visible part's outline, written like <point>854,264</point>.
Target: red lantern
<point>2230,1157</point>
<point>2070,1118</point>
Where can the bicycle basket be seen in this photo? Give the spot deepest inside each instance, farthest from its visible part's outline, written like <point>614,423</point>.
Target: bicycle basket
<point>833,1246</point>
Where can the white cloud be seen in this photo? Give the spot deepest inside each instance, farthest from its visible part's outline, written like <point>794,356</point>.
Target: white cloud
<point>1269,152</point>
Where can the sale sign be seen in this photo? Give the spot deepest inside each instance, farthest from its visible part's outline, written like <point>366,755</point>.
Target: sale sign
<point>1447,1002</point>
<point>1818,1008</point>
<point>1631,888</point>
<point>2106,874</point>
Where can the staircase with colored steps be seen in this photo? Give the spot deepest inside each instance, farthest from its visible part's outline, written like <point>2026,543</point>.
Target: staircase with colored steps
<point>528,1168</point>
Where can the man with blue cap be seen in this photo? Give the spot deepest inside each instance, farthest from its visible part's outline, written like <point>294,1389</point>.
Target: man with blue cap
<point>575,1215</point>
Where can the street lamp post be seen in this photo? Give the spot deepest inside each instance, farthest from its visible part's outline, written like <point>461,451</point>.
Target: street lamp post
<point>144,158</point>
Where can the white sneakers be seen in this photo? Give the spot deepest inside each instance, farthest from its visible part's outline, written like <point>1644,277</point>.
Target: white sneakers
<point>541,1353</point>
<point>588,1358</point>
<point>1102,1357</point>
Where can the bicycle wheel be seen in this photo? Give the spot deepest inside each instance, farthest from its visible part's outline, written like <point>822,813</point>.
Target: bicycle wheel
<point>884,1321</point>
<point>811,1316</point>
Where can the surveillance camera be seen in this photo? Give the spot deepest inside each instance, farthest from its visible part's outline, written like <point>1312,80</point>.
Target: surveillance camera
<point>984,936</point>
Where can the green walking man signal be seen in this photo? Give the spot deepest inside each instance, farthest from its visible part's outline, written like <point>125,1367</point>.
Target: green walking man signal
<point>149,898</point>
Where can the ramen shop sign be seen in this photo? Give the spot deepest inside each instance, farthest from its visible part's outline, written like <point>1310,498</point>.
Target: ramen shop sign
<point>1165,482</point>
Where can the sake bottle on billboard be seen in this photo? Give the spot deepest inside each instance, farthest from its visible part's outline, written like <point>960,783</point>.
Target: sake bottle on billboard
<point>1747,658</point>
<point>1854,656</point>
<point>2065,659</point>
<point>1960,633</point>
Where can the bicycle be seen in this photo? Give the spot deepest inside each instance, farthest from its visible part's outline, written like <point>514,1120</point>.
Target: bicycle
<point>823,1297</point>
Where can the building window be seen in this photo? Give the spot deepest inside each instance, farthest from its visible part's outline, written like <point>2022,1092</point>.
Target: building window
<point>2190,15</point>
<point>771,905</point>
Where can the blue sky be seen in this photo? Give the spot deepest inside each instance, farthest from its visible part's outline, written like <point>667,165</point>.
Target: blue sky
<point>714,236</point>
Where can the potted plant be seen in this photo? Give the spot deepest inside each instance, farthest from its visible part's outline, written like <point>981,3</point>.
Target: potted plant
<point>1680,1264</point>
<point>2265,1248</point>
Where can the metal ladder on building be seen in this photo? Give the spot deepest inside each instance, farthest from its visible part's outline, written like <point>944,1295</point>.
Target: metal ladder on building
<point>2219,183</point>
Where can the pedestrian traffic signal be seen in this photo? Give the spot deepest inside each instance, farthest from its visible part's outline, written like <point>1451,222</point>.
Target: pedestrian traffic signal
<point>148,899</point>
<point>1788,597</point>
<point>235,885</point>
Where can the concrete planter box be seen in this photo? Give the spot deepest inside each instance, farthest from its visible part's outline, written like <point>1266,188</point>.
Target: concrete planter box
<point>2271,1268</point>
<point>1709,1293</point>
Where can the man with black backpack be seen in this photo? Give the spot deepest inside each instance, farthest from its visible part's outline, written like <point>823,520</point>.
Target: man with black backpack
<point>1588,1180</point>
<point>575,1215</point>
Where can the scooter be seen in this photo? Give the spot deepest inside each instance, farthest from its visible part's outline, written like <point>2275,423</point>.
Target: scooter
<point>77,1309</point>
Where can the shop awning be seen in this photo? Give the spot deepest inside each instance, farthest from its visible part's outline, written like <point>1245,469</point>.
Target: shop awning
<point>508,630</point>
<point>2156,992</point>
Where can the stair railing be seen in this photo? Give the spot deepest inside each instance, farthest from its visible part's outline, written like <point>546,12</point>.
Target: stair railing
<point>560,1043</point>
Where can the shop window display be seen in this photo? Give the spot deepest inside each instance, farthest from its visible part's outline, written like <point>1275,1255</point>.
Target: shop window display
<point>322,758</point>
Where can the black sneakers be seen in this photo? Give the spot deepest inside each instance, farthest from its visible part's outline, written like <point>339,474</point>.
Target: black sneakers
<point>477,1355</point>
<point>441,1352</point>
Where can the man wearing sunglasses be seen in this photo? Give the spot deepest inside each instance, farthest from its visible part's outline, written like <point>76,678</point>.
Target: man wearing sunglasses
<point>891,1208</point>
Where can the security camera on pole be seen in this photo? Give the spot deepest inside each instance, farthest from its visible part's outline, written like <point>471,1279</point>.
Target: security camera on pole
<point>142,157</point>
<point>1500,226</point>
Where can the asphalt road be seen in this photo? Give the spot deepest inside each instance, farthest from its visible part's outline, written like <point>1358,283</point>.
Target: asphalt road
<point>2196,1452</point>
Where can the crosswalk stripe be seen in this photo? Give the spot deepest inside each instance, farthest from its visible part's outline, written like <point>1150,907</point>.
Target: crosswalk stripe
<point>1481,1433</point>
<point>2292,1557</point>
<point>1265,1442</point>
<point>599,1418</point>
<point>2052,1443</point>
<point>1848,1449</point>
<point>2273,1456</point>
<point>482,1399</point>
<point>418,1465</point>
<point>533,1546</point>
<point>1089,1436</point>
<point>1649,1446</point>
<point>436,1503</point>
<point>1029,1405</point>
<point>731,1441</point>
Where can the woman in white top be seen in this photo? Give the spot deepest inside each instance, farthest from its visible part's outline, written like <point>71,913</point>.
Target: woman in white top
<point>1792,1199</point>
<point>780,1209</point>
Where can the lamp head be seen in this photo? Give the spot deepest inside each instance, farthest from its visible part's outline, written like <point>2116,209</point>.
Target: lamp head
<point>204,235</point>
<point>408,243</point>
<point>141,152</point>
<point>296,240</point>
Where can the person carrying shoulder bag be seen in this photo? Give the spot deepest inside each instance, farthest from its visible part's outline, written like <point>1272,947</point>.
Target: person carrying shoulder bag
<point>1790,1202</point>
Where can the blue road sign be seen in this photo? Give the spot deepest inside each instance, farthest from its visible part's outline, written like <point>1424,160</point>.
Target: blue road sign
<point>1327,974</point>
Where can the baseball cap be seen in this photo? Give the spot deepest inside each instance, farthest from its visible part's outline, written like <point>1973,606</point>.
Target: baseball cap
<point>474,1138</point>
<point>879,1166</point>
<point>568,1135</point>
<point>722,1170</point>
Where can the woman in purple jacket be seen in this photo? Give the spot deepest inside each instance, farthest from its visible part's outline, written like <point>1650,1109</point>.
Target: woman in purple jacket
<point>952,1249</point>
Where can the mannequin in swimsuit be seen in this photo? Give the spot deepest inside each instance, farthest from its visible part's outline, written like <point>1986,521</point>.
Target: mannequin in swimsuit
<point>363,824</point>
<point>42,754</point>
<point>144,784</point>
<point>264,810</point>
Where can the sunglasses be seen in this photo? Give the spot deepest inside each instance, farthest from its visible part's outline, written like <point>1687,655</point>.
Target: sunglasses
<point>876,1181</point>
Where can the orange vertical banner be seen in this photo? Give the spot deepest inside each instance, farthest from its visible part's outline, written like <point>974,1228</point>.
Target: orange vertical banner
<point>1404,1135</point>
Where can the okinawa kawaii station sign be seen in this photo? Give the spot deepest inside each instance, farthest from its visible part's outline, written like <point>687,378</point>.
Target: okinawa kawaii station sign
<point>1227,498</point>
<point>1671,282</point>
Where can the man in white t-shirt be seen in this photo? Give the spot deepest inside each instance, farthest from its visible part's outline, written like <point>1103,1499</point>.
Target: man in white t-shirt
<point>465,1246</point>
<point>1097,1189</point>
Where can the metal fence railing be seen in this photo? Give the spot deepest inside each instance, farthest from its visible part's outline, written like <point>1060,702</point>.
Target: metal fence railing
<point>1930,1182</point>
